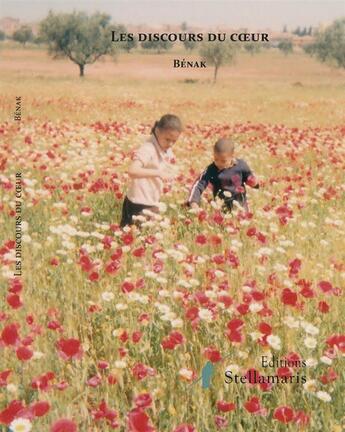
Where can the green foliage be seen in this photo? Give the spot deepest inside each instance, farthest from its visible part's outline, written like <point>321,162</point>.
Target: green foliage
<point>23,34</point>
<point>252,47</point>
<point>285,46</point>
<point>218,54</point>
<point>2,35</point>
<point>159,45</point>
<point>129,45</point>
<point>81,38</point>
<point>189,45</point>
<point>329,45</point>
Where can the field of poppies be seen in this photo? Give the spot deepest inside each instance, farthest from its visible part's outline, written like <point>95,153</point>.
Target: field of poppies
<point>108,329</point>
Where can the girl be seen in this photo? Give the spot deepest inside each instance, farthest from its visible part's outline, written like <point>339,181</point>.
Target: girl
<point>150,167</point>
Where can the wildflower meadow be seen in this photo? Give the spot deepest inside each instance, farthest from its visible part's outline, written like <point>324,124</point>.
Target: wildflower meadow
<point>103,328</point>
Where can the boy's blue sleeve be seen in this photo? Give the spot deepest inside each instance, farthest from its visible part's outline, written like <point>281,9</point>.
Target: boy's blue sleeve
<point>246,173</point>
<point>199,186</point>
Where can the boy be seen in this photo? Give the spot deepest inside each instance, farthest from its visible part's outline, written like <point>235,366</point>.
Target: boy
<point>227,175</point>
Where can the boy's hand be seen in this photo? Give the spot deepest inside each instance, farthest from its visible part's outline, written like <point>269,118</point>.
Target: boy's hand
<point>252,182</point>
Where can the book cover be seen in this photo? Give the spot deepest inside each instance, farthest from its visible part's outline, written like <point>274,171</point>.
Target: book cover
<point>172,216</point>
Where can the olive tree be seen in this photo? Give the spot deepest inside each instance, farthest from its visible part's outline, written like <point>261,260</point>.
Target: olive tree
<point>81,38</point>
<point>329,45</point>
<point>23,35</point>
<point>285,46</point>
<point>218,54</point>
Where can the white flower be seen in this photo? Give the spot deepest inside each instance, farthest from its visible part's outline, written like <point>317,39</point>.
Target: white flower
<point>163,308</point>
<point>169,316</point>
<point>310,342</point>
<point>255,335</point>
<point>242,354</point>
<point>279,267</point>
<point>186,373</point>
<point>11,388</point>
<point>291,322</point>
<point>324,396</point>
<point>310,386</point>
<point>255,307</point>
<point>20,425</point>
<point>121,306</point>
<point>311,362</point>
<point>310,328</point>
<point>37,355</point>
<point>326,360</point>
<point>120,364</point>
<point>176,323</point>
<point>234,368</point>
<point>274,342</point>
<point>205,315</point>
<point>107,296</point>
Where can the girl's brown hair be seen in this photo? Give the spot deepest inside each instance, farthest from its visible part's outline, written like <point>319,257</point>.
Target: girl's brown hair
<point>168,121</point>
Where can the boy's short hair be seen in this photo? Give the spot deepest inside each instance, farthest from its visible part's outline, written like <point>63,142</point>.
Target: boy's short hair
<point>224,145</point>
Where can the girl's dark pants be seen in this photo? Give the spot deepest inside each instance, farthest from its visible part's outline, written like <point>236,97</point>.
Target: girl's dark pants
<point>130,209</point>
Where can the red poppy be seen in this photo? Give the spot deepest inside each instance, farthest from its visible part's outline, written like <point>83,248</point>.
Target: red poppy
<point>253,406</point>
<point>64,425</point>
<point>284,414</point>
<point>14,301</point>
<point>24,353</point>
<point>143,400</point>
<point>212,354</point>
<point>325,286</point>
<point>8,414</point>
<point>337,341</point>
<point>289,297</point>
<point>185,428</point>
<point>10,334</point>
<point>138,421</point>
<point>3,377</point>
<point>40,408</point>
<point>69,348</point>
<point>140,371</point>
<point>225,406</point>
<point>323,307</point>
<point>94,381</point>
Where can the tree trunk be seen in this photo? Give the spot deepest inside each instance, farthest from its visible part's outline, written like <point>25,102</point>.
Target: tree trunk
<point>81,70</point>
<point>215,74</point>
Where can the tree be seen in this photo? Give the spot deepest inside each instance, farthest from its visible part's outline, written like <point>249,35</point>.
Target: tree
<point>129,44</point>
<point>252,47</point>
<point>285,46</point>
<point>157,45</point>
<point>23,35</point>
<point>184,26</point>
<point>189,44</point>
<point>329,45</point>
<point>2,35</point>
<point>297,31</point>
<point>218,54</point>
<point>81,38</point>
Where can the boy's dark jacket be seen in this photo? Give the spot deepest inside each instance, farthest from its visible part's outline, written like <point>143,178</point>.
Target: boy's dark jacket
<point>231,180</point>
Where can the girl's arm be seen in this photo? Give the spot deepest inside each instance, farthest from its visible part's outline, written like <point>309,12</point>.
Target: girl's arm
<point>137,170</point>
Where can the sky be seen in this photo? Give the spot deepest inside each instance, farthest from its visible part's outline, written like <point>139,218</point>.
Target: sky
<point>257,14</point>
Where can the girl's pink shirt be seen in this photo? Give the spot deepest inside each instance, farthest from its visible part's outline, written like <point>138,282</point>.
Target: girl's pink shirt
<point>148,190</point>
